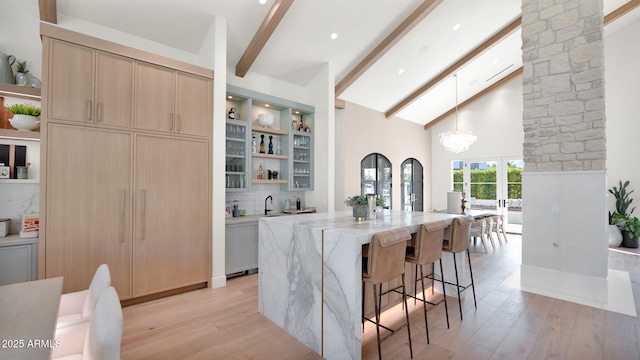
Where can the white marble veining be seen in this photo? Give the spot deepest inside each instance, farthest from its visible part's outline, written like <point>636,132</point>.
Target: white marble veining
<point>310,270</point>
<point>17,199</point>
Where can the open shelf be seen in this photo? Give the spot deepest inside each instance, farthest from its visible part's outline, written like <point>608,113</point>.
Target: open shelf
<point>19,135</point>
<point>265,130</point>
<point>257,181</point>
<point>269,156</point>
<point>23,92</point>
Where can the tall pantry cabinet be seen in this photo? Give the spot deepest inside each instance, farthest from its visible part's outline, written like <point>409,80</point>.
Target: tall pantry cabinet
<point>126,166</point>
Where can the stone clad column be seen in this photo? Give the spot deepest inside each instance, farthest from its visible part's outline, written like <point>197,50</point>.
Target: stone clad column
<point>564,246</point>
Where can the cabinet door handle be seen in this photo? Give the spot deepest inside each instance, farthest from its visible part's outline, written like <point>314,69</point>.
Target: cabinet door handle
<point>123,215</point>
<point>171,121</point>
<point>143,213</point>
<point>179,123</point>
<point>89,110</point>
<point>98,111</point>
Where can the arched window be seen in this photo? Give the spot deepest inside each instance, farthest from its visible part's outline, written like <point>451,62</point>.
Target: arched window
<point>412,185</point>
<point>375,177</point>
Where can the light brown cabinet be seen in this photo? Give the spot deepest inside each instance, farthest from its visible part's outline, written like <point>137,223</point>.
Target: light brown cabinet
<point>172,213</point>
<point>127,185</point>
<point>90,86</point>
<point>172,101</point>
<point>88,205</point>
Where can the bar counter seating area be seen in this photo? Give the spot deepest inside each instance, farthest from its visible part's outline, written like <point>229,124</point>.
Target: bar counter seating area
<point>311,272</point>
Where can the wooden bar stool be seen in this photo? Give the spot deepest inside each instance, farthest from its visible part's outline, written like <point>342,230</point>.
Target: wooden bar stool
<point>385,262</point>
<point>428,250</point>
<point>459,242</point>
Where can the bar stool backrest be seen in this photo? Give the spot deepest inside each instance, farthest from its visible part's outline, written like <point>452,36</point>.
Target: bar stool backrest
<point>386,255</point>
<point>429,242</point>
<point>459,235</point>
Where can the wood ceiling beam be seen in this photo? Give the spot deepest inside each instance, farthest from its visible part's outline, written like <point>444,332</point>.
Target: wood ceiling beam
<point>266,29</point>
<point>614,15</point>
<point>48,11</point>
<point>503,33</point>
<point>475,97</point>
<point>389,42</point>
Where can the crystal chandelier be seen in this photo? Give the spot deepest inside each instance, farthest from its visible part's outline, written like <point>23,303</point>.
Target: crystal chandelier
<point>457,141</point>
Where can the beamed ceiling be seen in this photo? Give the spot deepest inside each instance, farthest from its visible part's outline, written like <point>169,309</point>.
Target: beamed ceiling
<point>396,57</point>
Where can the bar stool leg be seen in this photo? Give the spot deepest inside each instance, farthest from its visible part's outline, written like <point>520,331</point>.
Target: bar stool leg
<point>455,268</point>
<point>363,289</point>
<point>376,306</point>
<point>406,311</point>
<point>424,303</point>
<point>444,292</point>
<point>473,288</point>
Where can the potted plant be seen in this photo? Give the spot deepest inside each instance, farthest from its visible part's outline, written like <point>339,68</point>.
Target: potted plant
<point>21,73</point>
<point>617,218</point>
<point>25,116</point>
<point>631,232</point>
<point>359,204</point>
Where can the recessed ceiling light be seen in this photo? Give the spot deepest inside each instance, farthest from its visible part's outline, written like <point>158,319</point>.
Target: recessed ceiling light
<point>297,112</point>
<point>230,97</point>
<point>423,49</point>
<point>334,36</point>
<point>456,27</point>
<point>495,61</point>
<point>400,71</point>
<point>266,105</point>
<point>262,2</point>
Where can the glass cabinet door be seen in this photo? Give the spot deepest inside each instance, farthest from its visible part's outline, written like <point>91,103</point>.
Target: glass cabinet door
<point>301,172</point>
<point>236,155</point>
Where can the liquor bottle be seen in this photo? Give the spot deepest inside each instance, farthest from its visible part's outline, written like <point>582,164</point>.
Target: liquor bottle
<point>270,144</point>
<point>260,172</point>
<point>261,144</point>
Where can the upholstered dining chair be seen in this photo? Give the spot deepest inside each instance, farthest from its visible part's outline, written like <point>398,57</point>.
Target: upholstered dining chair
<point>479,230</point>
<point>98,339</point>
<point>78,306</point>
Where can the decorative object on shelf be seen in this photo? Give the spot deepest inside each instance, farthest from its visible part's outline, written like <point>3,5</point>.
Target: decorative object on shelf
<point>22,172</point>
<point>23,78</point>
<point>254,148</point>
<point>457,141</point>
<point>262,144</point>
<point>360,204</point>
<point>278,147</point>
<point>5,171</point>
<point>232,113</point>
<point>30,226</point>
<point>6,72</point>
<point>260,174</point>
<point>25,117</point>
<point>5,115</point>
<point>265,120</point>
<point>270,151</point>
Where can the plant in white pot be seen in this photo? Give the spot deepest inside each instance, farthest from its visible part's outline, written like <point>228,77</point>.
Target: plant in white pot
<point>25,116</point>
<point>618,218</point>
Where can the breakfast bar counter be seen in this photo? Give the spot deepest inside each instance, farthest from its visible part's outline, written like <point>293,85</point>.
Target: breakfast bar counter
<point>310,274</point>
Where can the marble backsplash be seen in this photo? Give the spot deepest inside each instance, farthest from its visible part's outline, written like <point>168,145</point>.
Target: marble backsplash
<point>16,200</point>
<point>253,200</point>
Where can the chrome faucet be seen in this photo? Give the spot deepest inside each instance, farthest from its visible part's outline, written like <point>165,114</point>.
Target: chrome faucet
<point>266,211</point>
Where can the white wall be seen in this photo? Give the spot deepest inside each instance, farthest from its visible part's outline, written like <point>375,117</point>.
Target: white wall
<point>367,131</point>
<point>622,101</point>
<point>497,121</point>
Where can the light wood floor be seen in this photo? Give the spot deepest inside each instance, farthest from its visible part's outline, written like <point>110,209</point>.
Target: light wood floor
<point>508,323</point>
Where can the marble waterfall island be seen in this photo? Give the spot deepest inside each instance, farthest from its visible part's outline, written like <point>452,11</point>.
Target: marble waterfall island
<point>310,274</point>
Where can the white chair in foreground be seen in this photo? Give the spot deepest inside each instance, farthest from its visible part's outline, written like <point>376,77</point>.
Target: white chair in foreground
<point>78,306</point>
<point>99,338</point>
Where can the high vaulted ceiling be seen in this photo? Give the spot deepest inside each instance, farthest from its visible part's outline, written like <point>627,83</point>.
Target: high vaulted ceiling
<point>411,80</point>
